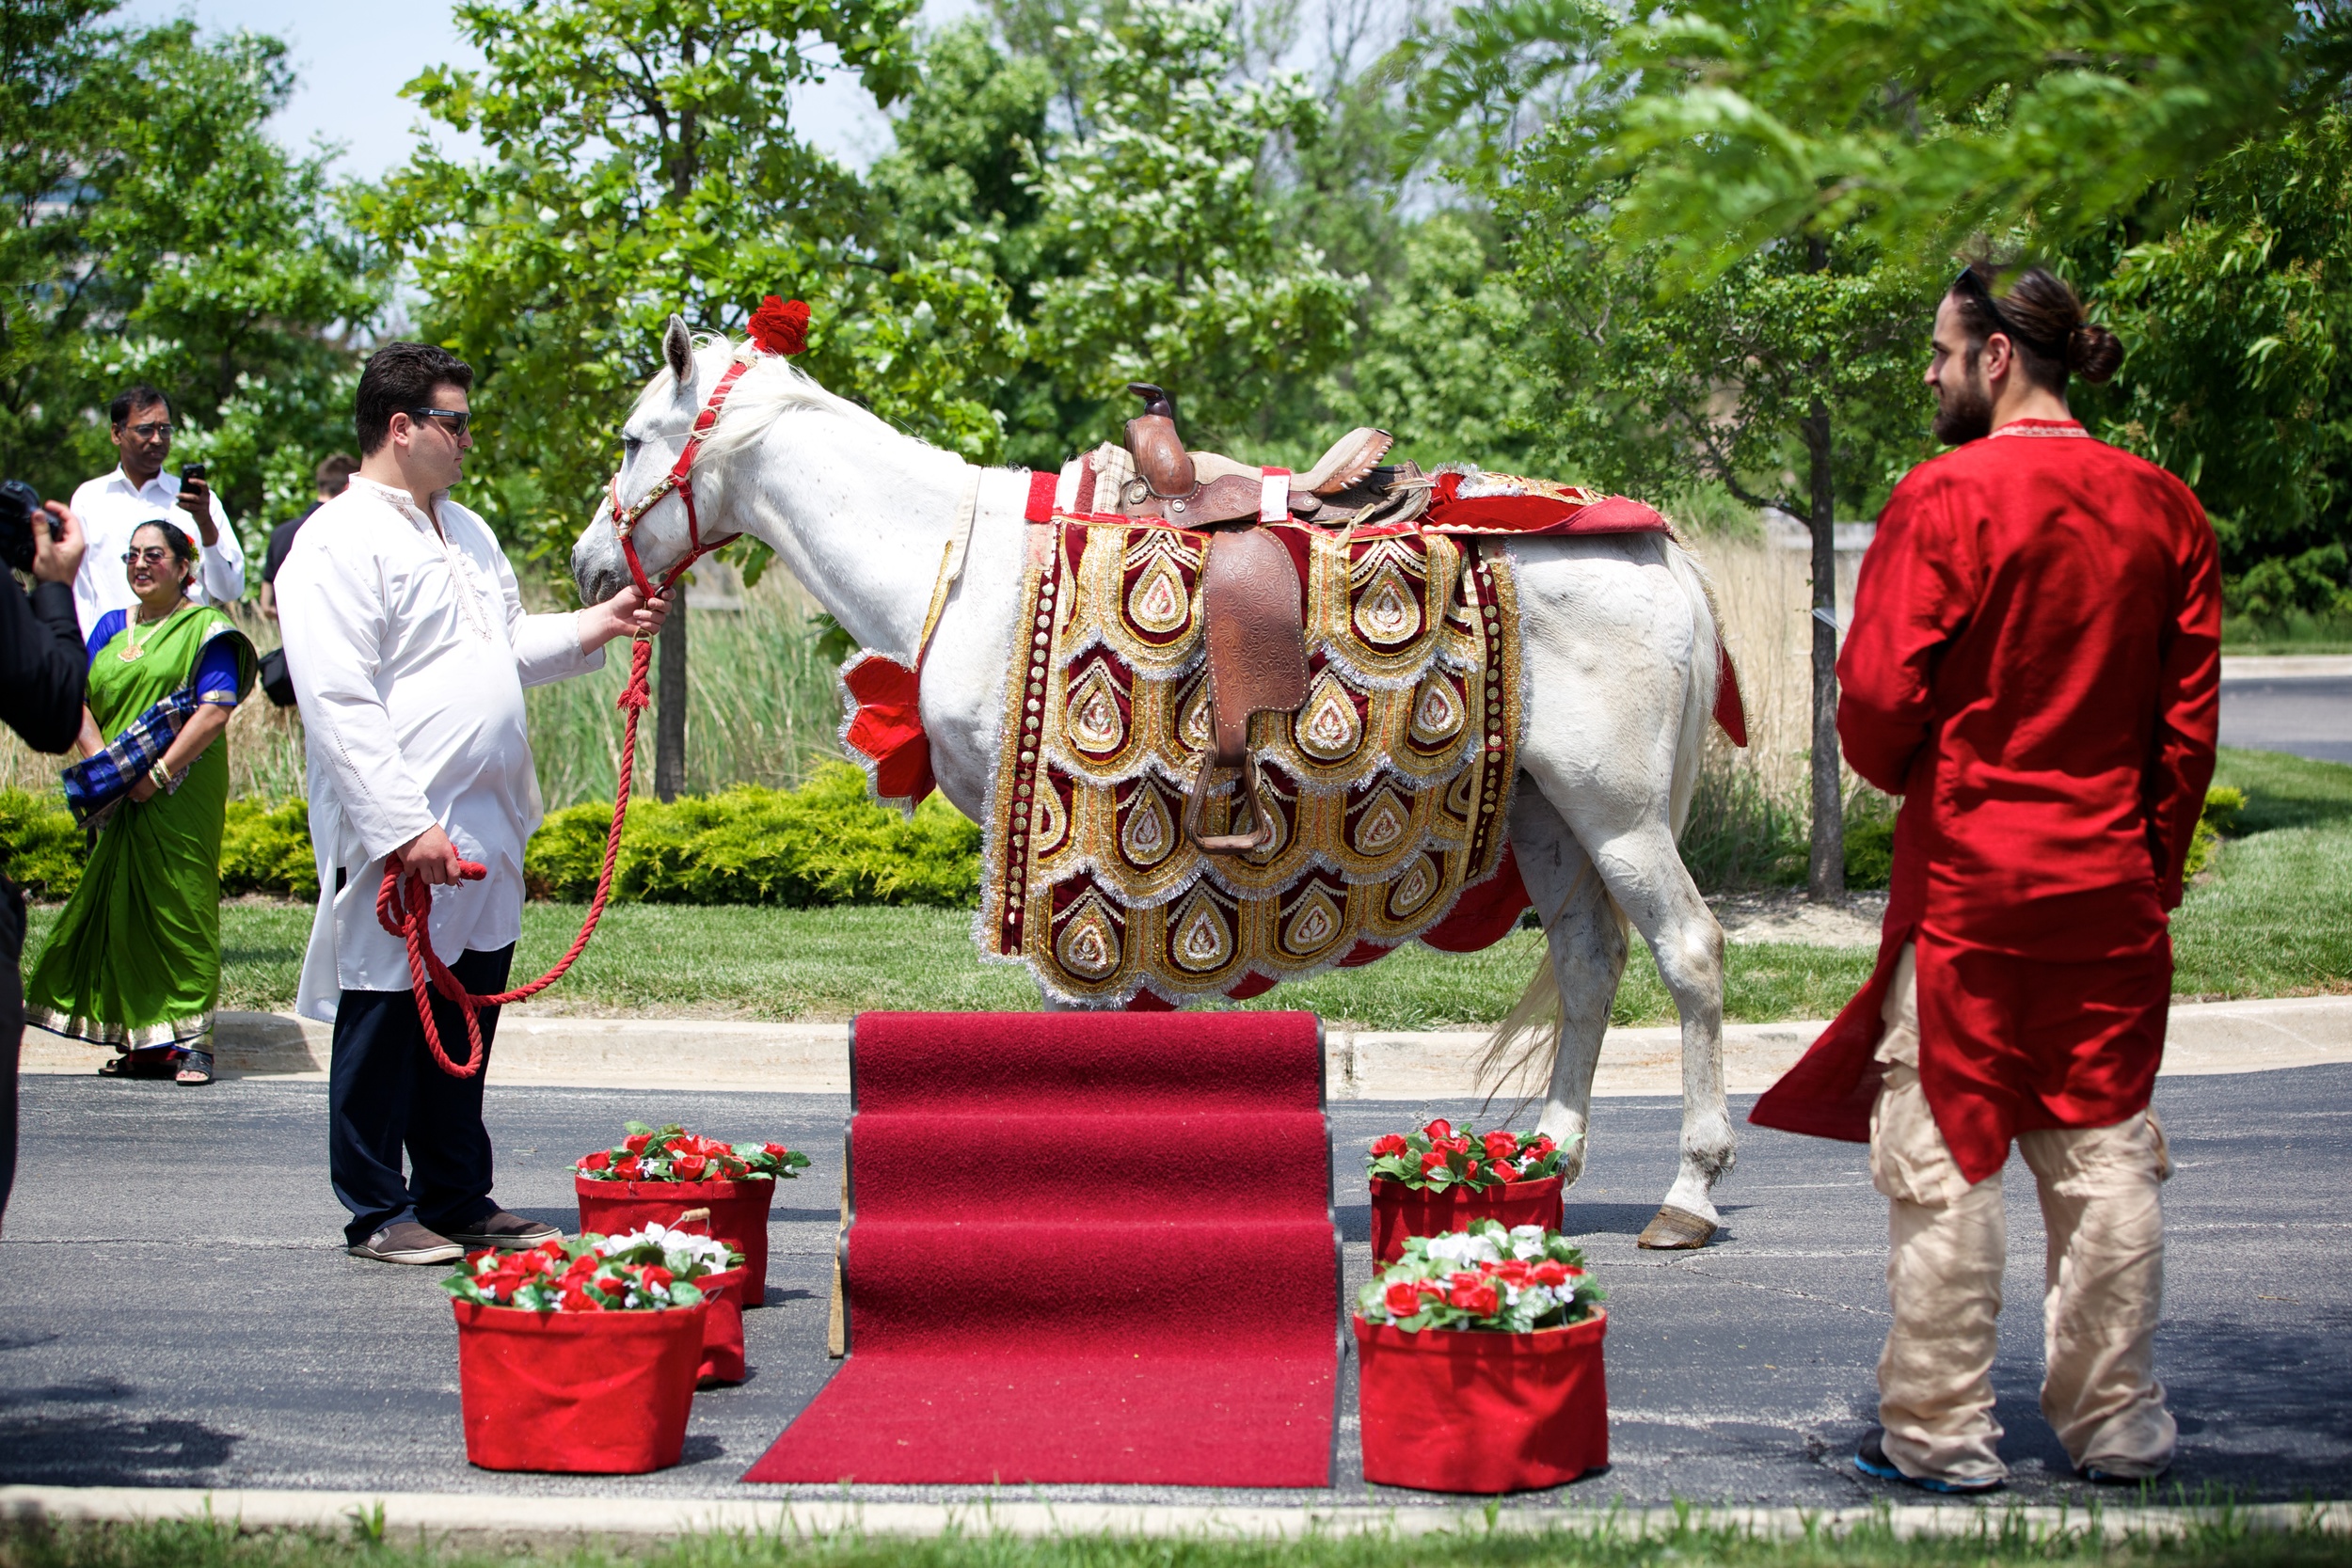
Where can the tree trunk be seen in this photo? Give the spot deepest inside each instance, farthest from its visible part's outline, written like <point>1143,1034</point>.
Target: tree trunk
<point>1825,872</point>
<point>669,736</point>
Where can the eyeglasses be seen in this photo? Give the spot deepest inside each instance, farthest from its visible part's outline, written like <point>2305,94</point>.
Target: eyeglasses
<point>154,555</point>
<point>149,431</point>
<point>457,419</point>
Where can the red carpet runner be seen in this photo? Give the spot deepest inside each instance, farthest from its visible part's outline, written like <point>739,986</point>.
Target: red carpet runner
<point>1082,1247</point>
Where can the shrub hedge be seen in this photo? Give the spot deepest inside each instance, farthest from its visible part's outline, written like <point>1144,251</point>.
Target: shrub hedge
<point>825,843</point>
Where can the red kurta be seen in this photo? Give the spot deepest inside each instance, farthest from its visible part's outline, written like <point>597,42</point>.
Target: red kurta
<point>2034,666</point>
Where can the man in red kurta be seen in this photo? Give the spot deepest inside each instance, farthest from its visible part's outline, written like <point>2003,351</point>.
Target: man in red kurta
<point>2034,667</point>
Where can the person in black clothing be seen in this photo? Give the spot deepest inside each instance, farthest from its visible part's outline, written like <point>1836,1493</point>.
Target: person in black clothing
<point>333,476</point>
<point>41,665</point>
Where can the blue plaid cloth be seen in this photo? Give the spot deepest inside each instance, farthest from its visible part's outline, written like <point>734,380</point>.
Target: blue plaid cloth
<point>95,787</point>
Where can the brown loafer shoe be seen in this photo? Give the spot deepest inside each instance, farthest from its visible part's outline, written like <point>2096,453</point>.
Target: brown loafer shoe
<point>407,1243</point>
<point>505,1231</point>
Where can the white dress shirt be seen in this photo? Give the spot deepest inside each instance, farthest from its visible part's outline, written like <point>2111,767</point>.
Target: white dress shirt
<point>111,508</point>
<point>409,651</point>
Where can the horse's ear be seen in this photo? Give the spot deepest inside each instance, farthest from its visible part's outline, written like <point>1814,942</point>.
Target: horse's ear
<point>678,347</point>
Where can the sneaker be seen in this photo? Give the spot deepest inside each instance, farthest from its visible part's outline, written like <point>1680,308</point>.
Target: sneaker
<point>2098,1476</point>
<point>505,1231</point>
<point>1871,1458</point>
<point>407,1243</point>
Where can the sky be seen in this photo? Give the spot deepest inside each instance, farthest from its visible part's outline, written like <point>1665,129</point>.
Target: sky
<point>352,60</point>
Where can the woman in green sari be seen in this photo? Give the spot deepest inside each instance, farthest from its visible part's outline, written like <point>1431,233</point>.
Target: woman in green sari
<point>134,959</point>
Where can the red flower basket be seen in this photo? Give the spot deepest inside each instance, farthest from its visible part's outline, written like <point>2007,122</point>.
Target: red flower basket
<point>591,1393</point>
<point>1399,1211</point>
<point>1449,1410</point>
<point>738,1216</point>
<point>722,1331</point>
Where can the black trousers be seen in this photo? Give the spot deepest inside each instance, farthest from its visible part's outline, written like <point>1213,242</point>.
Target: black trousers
<point>11,1025</point>
<point>384,1093</point>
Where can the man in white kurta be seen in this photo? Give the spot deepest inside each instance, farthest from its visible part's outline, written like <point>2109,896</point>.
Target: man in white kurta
<point>409,651</point>
<point>114,506</point>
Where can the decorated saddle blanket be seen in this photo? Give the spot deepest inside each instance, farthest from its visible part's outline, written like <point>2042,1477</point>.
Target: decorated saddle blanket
<point>1390,786</point>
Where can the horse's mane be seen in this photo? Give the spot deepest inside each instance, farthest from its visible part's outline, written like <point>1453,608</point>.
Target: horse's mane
<point>771,387</point>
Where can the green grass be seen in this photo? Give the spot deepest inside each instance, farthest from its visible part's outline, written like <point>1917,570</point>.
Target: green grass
<point>2214,1539</point>
<point>2271,919</point>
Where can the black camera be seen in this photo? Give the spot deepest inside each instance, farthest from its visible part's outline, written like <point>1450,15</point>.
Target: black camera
<point>19,507</point>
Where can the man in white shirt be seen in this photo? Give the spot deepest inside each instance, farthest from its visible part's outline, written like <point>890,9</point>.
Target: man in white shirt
<point>114,506</point>
<point>409,650</point>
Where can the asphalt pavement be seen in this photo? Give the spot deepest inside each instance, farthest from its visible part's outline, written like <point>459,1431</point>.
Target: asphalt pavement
<point>2309,716</point>
<point>176,1309</point>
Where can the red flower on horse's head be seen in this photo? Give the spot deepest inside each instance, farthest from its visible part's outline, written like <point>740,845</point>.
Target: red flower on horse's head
<point>781,325</point>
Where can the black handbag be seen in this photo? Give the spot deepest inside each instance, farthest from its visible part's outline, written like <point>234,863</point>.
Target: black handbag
<point>275,679</point>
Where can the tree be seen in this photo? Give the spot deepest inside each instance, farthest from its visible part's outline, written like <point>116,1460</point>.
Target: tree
<point>1808,352</point>
<point>2235,325</point>
<point>1915,123</point>
<point>642,161</point>
<point>1172,270</point>
<point>159,234</point>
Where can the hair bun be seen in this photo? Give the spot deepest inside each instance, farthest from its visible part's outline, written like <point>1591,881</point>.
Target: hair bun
<point>2094,352</point>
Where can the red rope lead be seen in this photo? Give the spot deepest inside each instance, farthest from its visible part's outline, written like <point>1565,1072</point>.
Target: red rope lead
<point>402,909</point>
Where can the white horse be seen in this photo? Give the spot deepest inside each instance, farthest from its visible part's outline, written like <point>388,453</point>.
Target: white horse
<point>1620,662</point>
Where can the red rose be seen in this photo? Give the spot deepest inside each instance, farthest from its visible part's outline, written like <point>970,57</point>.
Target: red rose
<point>600,1160</point>
<point>1502,1145</point>
<point>628,1168</point>
<point>1514,1272</point>
<point>1439,1130</point>
<point>1431,1288</point>
<point>635,1143</point>
<point>1403,1300</point>
<point>1434,1160</point>
<point>775,1151</point>
<point>1392,1143</point>
<point>574,1299</point>
<point>1541,1146</point>
<point>1550,1273</point>
<point>1470,1167</point>
<point>779,325</point>
<point>1506,1172</point>
<point>1478,1297</point>
<point>686,1167</point>
<point>656,1278</point>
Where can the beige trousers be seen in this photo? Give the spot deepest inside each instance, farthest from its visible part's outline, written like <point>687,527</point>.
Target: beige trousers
<point>1947,1244</point>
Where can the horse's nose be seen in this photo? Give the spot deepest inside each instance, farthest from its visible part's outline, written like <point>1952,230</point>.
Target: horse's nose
<point>596,570</point>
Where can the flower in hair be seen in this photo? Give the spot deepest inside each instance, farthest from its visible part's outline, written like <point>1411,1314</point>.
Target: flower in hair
<point>781,325</point>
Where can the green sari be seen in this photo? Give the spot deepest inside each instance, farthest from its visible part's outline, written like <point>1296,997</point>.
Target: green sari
<point>134,959</point>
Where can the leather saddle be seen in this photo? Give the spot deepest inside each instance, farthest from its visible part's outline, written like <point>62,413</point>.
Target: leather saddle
<point>1253,607</point>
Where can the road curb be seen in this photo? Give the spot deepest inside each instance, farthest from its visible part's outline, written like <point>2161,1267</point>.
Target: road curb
<point>2205,1038</point>
<point>483,1519</point>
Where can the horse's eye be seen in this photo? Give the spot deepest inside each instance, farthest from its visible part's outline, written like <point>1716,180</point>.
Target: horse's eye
<point>628,446</point>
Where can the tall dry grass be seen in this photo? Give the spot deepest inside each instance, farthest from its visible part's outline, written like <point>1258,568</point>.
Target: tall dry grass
<point>761,709</point>
<point>1751,816</point>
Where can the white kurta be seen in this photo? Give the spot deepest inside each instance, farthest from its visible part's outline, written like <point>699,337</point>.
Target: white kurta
<point>112,509</point>
<point>409,651</point>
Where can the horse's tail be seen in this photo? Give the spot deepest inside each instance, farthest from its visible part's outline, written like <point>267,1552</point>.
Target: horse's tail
<point>1528,1036</point>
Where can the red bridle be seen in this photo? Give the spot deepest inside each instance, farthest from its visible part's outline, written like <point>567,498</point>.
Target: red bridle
<point>625,519</point>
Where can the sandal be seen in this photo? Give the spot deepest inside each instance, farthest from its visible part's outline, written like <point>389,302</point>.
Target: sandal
<point>148,1062</point>
<point>195,1067</point>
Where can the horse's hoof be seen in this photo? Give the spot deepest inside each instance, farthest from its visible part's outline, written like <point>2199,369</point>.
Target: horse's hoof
<point>1673,1229</point>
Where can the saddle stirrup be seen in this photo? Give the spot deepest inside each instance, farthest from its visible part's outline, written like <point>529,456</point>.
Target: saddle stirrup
<point>1251,791</point>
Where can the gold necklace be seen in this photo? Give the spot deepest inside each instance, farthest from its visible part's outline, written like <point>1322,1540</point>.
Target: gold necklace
<point>131,649</point>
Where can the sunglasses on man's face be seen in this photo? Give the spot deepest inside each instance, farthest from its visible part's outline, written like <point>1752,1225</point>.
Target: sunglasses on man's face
<point>455,419</point>
<point>149,431</point>
<point>154,555</point>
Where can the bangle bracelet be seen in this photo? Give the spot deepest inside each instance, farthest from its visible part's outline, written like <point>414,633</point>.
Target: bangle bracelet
<point>164,779</point>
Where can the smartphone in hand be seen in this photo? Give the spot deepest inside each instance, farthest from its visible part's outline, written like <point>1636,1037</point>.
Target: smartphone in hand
<point>193,474</point>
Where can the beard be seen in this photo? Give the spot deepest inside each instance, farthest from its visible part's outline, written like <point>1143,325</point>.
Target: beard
<point>1964,408</point>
